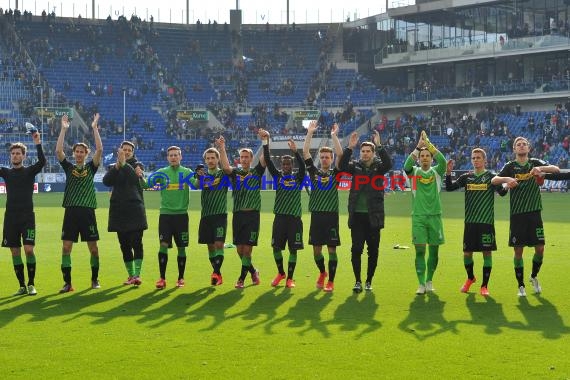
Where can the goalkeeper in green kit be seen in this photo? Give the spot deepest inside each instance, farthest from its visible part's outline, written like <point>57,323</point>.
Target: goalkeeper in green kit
<point>427,225</point>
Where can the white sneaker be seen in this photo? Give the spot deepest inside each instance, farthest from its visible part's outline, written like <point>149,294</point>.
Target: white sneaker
<point>421,290</point>
<point>32,290</point>
<point>429,286</point>
<point>21,291</point>
<point>522,291</point>
<point>535,285</point>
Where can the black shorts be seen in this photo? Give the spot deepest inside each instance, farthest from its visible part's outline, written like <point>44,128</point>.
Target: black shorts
<point>479,237</point>
<point>212,229</point>
<point>19,228</point>
<point>79,221</point>
<point>526,230</point>
<point>245,225</point>
<point>287,229</point>
<point>324,229</point>
<point>173,225</point>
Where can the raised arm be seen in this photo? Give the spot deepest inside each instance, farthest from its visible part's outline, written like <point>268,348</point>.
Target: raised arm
<point>558,176</point>
<point>300,161</point>
<point>344,163</point>
<point>113,174</point>
<point>98,143</point>
<point>307,145</point>
<point>37,167</point>
<point>61,138</point>
<point>441,163</point>
<point>267,154</point>
<point>551,169</point>
<point>449,184</point>
<point>139,171</point>
<point>382,154</point>
<point>225,163</point>
<point>336,144</point>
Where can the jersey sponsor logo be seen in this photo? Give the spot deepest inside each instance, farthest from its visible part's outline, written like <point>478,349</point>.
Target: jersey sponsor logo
<point>173,186</point>
<point>79,173</point>
<point>426,181</point>
<point>289,182</point>
<point>477,186</point>
<point>523,176</point>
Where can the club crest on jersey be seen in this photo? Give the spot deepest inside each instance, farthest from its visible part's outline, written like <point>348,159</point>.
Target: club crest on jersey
<point>208,183</point>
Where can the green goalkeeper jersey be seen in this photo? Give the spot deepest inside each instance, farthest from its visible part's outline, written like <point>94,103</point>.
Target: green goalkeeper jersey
<point>175,193</point>
<point>426,185</point>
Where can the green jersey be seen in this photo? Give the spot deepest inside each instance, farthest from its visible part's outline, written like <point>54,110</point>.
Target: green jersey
<point>526,196</point>
<point>175,193</point>
<point>324,188</point>
<point>426,185</point>
<point>479,195</point>
<point>288,187</point>
<point>79,185</point>
<point>246,188</point>
<point>214,193</point>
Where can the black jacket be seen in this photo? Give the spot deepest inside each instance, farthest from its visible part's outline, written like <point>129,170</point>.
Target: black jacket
<point>374,197</point>
<point>126,209</point>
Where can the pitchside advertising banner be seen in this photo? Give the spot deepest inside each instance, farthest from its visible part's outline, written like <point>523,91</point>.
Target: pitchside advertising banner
<point>3,188</point>
<point>55,182</point>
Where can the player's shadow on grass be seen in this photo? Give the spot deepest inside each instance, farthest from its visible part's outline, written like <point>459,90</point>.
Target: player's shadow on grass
<point>358,312</point>
<point>131,309</point>
<point>304,315</point>
<point>489,314</point>
<point>178,306</point>
<point>543,317</point>
<point>425,318</point>
<point>264,308</point>
<point>215,308</point>
<point>44,307</point>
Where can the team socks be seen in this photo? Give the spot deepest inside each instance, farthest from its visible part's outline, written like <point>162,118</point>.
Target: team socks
<point>468,262</point>
<point>129,265</point>
<point>536,264</point>
<point>332,266</point>
<point>66,268</point>
<point>320,261</point>
<point>245,267</point>
<point>433,259</point>
<point>218,260</point>
<point>19,269</point>
<point>421,263</point>
<point>162,261</point>
<point>487,266</point>
<point>94,268</point>
<point>181,260</point>
<point>31,266</point>
<point>519,271</point>
<point>278,256</point>
<point>292,264</point>
<point>137,267</point>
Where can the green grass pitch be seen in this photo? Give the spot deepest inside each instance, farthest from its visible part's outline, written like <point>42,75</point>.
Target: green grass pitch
<point>262,332</point>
